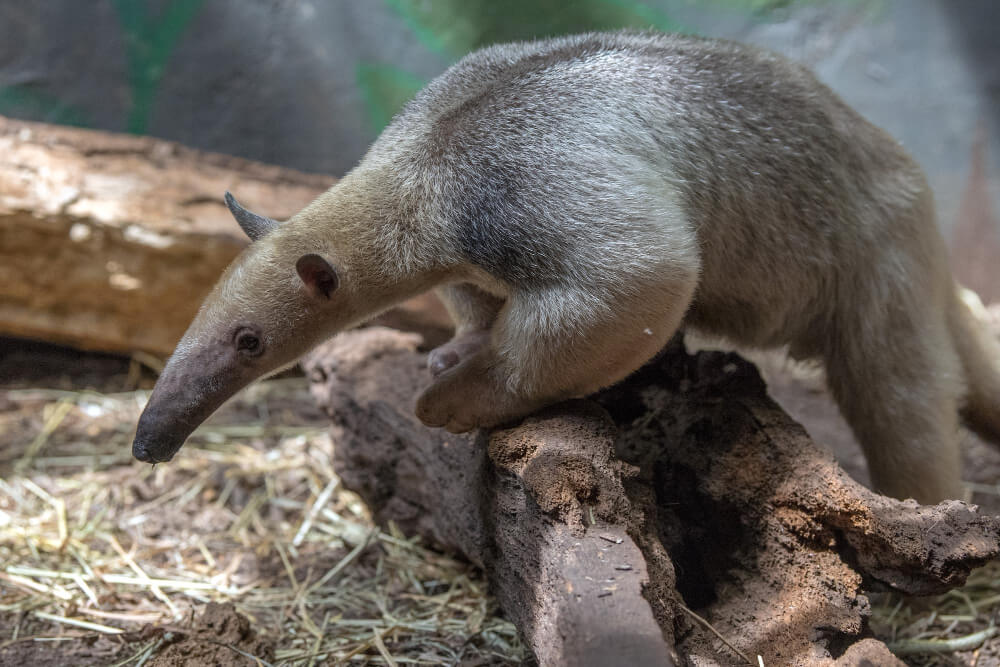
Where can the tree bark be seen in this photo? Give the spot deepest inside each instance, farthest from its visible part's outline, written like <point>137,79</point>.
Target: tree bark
<point>605,525</point>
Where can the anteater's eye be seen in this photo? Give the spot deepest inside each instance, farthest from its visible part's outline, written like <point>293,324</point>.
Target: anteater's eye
<point>248,342</point>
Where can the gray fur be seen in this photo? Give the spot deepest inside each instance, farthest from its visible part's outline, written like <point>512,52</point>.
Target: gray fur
<point>576,200</point>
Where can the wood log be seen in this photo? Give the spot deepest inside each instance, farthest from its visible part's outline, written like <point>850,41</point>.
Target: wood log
<point>615,530</point>
<point>573,578</point>
<point>111,242</point>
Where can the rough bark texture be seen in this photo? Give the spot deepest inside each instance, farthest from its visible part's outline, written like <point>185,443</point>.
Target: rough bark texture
<point>599,521</point>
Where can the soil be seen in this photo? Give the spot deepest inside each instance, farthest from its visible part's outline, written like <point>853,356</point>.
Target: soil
<point>220,636</point>
<point>84,652</point>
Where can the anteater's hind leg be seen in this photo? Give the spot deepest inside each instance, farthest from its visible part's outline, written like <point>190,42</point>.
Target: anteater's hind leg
<point>980,355</point>
<point>473,311</point>
<point>895,374</point>
<point>560,342</point>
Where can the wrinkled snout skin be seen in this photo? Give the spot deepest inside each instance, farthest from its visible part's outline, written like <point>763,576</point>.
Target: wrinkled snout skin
<point>189,390</point>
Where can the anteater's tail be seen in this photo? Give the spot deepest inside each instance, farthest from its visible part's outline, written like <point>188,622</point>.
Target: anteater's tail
<point>980,355</point>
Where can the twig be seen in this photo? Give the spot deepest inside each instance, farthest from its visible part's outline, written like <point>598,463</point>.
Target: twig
<point>718,634</point>
<point>380,645</point>
<point>36,587</point>
<point>58,504</point>
<point>319,640</point>
<point>86,625</point>
<point>346,560</point>
<point>250,656</point>
<point>138,656</point>
<point>321,500</point>
<point>966,643</point>
<point>51,424</point>
<point>110,539</point>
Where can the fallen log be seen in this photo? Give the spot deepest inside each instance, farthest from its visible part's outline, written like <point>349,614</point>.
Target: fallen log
<point>111,242</point>
<point>681,515</point>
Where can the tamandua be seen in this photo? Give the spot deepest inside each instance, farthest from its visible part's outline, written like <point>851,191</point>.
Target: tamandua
<point>574,201</point>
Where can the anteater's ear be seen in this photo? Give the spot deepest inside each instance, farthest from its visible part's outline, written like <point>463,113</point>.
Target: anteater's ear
<point>254,225</point>
<point>317,274</point>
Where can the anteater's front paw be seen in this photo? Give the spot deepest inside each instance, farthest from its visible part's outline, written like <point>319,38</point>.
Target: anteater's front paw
<point>438,409</point>
<point>456,350</point>
<point>466,397</point>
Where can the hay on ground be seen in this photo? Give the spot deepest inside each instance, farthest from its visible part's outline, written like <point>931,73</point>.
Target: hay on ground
<point>95,545</point>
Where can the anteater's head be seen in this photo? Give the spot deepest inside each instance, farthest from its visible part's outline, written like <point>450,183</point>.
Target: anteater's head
<point>284,294</point>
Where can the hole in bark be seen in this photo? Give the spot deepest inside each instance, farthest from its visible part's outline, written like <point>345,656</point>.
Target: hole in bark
<point>708,546</point>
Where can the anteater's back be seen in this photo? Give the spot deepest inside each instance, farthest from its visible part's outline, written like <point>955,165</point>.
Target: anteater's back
<point>545,154</point>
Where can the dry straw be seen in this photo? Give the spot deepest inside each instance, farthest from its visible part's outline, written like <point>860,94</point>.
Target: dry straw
<point>93,544</point>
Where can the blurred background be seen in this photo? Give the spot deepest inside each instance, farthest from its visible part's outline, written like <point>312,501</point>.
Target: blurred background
<point>122,122</point>
<point>308,84</point>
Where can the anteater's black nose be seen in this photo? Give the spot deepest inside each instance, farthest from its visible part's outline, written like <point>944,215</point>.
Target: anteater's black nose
<point>143,452</point>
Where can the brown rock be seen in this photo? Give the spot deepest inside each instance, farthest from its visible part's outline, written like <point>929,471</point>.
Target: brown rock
<point>573,579</point>
<point>605,525</point>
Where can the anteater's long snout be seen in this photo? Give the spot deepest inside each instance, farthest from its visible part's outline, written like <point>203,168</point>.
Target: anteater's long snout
<point>186,394</point>
<point>162,430</point>
<point>149,452</point>
<point>155,440</point>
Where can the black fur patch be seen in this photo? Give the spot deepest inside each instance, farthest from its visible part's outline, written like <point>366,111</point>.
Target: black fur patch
<point>501,234</point>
